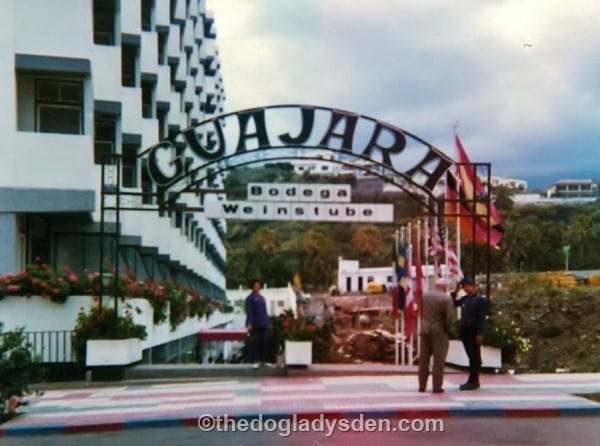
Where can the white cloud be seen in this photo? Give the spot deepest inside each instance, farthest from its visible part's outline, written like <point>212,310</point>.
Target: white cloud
<point>519,76</point>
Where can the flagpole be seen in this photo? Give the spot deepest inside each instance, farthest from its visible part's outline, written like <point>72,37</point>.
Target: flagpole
<point>418,287</point>
<point>396,315</point>
<point>403,352</point>
<point>409,274</point>
<point>458,225</point>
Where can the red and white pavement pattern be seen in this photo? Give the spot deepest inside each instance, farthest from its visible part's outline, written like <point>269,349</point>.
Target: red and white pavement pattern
<point>117,407</point>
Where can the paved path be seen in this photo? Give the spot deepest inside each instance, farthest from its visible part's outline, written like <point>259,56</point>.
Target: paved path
<point>117,407</point>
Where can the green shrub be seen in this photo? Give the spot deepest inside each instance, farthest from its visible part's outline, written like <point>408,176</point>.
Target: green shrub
<point>101,323</point>
<point>18,369</point>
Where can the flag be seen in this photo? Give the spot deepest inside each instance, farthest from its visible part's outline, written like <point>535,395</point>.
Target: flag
<point>472,212</point>
<point>455,273</point>
<point>414,294</point>
<point>435,249</point>
<point>436,246</point>
<point>399,289</point>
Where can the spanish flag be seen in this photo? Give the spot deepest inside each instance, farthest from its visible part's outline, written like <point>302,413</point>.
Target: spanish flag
<point>468,204</point>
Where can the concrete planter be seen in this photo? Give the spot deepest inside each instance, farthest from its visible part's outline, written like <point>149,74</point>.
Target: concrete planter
<point>113,352</point>
<point>490,356</point>
<point>298,352</point>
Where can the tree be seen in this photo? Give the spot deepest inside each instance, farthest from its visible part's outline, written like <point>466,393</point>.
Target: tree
<point>318,257</point>
<point>367,241</point>
<point>579,230</point>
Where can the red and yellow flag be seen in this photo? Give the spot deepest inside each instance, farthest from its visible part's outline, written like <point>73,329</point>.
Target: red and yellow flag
<point>468,204</point>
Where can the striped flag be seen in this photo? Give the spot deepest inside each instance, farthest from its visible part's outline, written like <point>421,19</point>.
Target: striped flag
<point>435,249</point>
<point>436,245</point>
<point>414,295</point>
<point>466,202</point>
<point>455,273</point>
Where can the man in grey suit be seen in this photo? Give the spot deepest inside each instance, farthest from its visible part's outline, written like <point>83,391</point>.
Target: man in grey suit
<point>437,317</point>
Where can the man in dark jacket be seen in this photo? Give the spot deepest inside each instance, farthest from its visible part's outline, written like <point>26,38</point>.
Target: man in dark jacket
<point>472,323</point>
<point>257,323</point>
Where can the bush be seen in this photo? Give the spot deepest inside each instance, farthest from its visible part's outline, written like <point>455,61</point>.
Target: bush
<point>18,369</point>
<point>501,333</point>
<point>102,323</point>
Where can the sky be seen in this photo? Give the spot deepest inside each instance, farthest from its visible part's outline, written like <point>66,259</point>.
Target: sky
<point>519,78</point>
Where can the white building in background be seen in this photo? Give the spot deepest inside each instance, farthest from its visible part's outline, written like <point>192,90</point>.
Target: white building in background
<point>278,301</point>
<point>354,278</point>
<point>82,79</point>
<point>573,189</point>
<point>508,182</point>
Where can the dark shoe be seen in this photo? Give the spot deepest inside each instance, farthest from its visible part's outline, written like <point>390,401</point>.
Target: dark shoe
<point>469,386</point>
<point>421,389</point>
<point>438,390</point>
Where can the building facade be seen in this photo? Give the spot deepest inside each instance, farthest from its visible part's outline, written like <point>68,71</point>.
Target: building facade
<point>573,189</point>
<point>83,80</point>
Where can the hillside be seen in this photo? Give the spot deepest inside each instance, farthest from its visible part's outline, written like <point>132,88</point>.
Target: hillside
<point>560,323</point>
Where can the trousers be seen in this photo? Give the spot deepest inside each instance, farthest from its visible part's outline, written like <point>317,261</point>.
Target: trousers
<point>258,346</point>
<point>432,344</point>
<point>473,350</point>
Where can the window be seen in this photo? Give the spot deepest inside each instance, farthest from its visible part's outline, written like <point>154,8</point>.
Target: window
<point>147,197</point>
<point>129,54</point>
<point>162,48</point>
<point>181,35</point>
<point>104,22</point>
<point>147,11</point>
<point>104,138</point>
<point>59,106</point>
<point>172,9</point>
<point>162,124</point>
<point>129,176</point>
<point>173,68</point>
<point>148,99</point>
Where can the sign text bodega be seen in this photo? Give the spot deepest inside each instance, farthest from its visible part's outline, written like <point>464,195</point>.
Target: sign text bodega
<point>327,193</point>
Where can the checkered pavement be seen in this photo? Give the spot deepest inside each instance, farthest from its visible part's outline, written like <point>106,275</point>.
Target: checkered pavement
<point>118,407</point>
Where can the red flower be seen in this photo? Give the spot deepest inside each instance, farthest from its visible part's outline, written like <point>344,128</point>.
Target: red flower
<point>13,288</point>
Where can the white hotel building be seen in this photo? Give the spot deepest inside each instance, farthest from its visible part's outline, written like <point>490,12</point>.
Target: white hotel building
<point>83,78</point>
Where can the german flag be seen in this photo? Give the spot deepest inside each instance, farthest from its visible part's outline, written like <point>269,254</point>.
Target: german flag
<point>469,204</point>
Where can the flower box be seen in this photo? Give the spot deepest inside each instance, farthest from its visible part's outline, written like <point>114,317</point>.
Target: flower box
<point>298,352</point>
<point>491,357</point>
<point>111,352</point>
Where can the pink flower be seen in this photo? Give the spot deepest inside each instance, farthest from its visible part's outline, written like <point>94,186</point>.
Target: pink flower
<point>72,277</point>
<point>13,288</point>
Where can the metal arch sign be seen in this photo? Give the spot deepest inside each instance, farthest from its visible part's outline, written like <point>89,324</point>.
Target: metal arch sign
<point>293,132</point>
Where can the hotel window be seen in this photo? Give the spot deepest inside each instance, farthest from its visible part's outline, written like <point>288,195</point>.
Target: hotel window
<point>147,99</point>
<point>162,124</point>
<point>147,12</point>
<point>129,55</point>
<point>104,22</point>
<point>162,48</point>
<point>173,68</point>
<point>181,36</point>
<point>172,9</point>
<point>129,169</point>
<point>59,106</point>
<point>104,138</point>
<point>147,183</point>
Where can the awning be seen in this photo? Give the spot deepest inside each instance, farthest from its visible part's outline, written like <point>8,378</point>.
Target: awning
<point>222,334</point>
